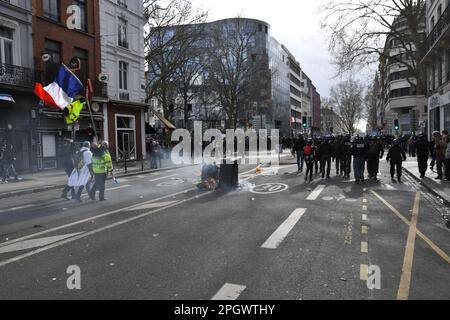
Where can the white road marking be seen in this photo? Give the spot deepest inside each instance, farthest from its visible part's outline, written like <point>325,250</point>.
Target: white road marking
<point>90,233</point>
<point>118,188</point>
<point>141,177</point>
<point>123,180</point>
<point>35,243</point>
<point>18,208</point>
<point>365,217</point>
<point>162,178</point>
<point>364,200</point>
<point>316,193</point>
<point>364,230</point>
<point>154,205</point>
<point>364,272</point>
<point>281,233</point>
<point>364,208</point>
<point>94,218</point>
<point>364,247</point>
<point>229,292</point>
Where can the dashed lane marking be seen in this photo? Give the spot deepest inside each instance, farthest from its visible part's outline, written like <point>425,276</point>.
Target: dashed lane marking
<point>316,193</point>
<point>364,230</point>
<point>364,247</point>
<point>364,200</point>
<point>364,208</point>
<point>154,205</point>
<point>365,218</point>
<point>18,208</point>
<point>364,272</point>
<point>281,233</point>
<point>229,292</point>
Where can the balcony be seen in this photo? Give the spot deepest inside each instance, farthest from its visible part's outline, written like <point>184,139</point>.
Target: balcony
<point>18,76</point>
<point>439,29</point>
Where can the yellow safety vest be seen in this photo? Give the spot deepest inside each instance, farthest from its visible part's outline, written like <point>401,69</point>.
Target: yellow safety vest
<point>72,112</point>
<point>103,164</point>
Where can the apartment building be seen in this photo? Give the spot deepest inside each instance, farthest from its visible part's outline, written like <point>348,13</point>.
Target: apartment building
<point>401,99</point>
<point>436,59</point>
<point>17,78</point>
<point>123,71</point>
<point>295,77</point>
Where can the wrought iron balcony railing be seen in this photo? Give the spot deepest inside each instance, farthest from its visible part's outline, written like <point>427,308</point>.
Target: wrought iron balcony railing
<point>18,76</point>
<point>440,27</point>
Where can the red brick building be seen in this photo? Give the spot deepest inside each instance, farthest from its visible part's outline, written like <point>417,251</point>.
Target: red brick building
<point>53,40</point>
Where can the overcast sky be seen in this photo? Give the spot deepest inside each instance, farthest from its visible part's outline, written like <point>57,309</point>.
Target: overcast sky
<point>294,23</point>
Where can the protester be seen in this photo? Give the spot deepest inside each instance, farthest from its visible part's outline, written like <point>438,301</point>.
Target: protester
<point>68,155</point>
<point>82,173</point>
<point>440,147</point>
<point>339,155</point>
<point>101,166</point>
<point>396,156</point>
<point>325,152</point>
<point>309,157</point>
<point>8,159</point>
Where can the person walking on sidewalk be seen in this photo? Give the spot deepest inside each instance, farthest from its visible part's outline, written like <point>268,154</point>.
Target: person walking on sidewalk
<point>298,149</point>
<point>101,166</point>
<point>82,173</point>
<point>9,157</point>
<point>423,152</point>
<point>395,157</point>
<point>440,147</point>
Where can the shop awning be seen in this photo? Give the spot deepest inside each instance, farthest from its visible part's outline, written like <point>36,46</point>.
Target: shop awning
<point>166,122</point>
<point>6,97</point>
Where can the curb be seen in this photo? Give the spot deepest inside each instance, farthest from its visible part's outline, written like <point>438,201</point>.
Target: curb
<point>60,186</point>
<point>426,186</point>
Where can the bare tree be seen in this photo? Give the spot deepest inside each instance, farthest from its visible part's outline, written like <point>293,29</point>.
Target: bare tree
<point>230,66</point>
<point>374,105</point>
<point>169,36</point>
<point>347,101</point>
<point>361,31</point>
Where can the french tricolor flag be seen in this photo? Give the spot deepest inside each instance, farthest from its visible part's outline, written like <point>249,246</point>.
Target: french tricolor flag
<point>62,91</point>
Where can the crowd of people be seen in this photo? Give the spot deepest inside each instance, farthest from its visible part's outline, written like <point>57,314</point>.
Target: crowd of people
<point>7,160</point>
<point>359,153</point>
<point>87,169</point>
<point>156,152</point>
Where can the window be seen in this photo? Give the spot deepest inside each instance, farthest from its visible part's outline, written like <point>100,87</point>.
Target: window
<point>53,48</point>
<point>82,5</point>
<point>51,9</point>
<point>123,75</point>
<point>6,45</point>
<point>126,137</point>
<point>122,33</point>
<point>440,70</point>
<point>83,55</point>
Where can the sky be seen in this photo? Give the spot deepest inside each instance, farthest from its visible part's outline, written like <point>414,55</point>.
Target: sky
<point>296,24</point>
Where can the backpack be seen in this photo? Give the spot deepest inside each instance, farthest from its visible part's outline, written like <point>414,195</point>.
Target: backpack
<point>78,159</point>
<point>307,150</point>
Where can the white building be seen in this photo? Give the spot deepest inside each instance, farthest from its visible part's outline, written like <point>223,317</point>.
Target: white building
<point>400,96</point>
<point>436,58</point>
<point>123,67</point>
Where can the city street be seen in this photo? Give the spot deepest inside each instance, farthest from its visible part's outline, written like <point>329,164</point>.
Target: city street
<point>276,237</point>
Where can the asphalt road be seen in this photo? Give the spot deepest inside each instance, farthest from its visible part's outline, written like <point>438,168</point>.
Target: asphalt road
<point>277,237</point>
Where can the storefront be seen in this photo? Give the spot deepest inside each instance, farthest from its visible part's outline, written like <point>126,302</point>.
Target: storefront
<point>439,113</point>
<point>126,130</point>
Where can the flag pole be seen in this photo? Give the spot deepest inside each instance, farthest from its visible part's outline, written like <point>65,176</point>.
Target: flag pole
<point>89,90</point>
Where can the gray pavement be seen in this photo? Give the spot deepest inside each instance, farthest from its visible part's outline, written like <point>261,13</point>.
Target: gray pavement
<point>277,237</point>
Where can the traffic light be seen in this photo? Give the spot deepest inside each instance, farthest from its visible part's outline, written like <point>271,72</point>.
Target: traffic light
<point>305,122</point>
<point>396,125</point>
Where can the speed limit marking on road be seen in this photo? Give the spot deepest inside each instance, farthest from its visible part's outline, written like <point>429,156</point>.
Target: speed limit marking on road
<point>269,188</point>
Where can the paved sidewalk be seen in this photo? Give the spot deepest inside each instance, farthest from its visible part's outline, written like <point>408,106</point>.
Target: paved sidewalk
<point>440,188</point>
<point>55,179</point>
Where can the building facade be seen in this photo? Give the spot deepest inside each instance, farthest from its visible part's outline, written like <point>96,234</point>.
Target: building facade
<point>295,74</point>
<point>123,70</point>
<point>54,43</point>
<point>17,78</point>
<point>401,99</point>
<point>436,59</point>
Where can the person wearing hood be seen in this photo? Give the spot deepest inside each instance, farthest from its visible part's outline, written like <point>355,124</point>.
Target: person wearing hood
<point>395,157</point>
<point>82,173</point>
<point>423,153</point>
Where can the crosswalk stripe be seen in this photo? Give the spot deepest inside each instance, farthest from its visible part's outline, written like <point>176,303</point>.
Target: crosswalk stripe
<point>35,243</point>
<point>229,292</point>
<point>281,233</point>
<point>316,193</point>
